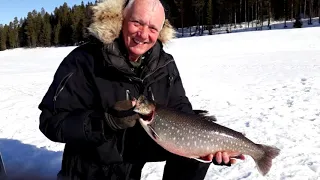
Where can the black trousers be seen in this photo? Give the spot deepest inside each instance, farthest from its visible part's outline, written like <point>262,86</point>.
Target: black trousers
<point>139,149</point>
<point>146,150</point>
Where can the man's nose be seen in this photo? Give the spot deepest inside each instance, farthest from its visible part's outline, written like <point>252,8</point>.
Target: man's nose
<point>143,32</point>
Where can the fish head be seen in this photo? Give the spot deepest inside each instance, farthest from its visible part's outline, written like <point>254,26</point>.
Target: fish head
<point>145,108</point>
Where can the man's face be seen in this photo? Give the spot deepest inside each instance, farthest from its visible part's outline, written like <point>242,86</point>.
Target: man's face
<point>141,27</point>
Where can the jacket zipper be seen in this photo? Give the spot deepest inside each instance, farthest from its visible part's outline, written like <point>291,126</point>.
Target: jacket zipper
<point>170,88</point>
<point>60,88</point>
<point>128,97</point>
<point>156,70</point>
<point>122,143</point>
<point>128,92</point>
<point>142,80</point>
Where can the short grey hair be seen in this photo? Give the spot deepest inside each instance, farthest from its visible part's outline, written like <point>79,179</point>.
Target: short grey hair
<point>128,8</point>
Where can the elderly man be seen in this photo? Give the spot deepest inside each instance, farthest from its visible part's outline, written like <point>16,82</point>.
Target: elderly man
<point>89,104</point>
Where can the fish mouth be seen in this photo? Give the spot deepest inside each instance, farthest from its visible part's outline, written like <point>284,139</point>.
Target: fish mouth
<point>148,117</point>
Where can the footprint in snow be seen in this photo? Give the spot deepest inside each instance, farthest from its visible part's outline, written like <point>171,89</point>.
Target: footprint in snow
<point>247,124</point>
<point>303,81</point>
<point>289,102</point>
<point>307,89</point>
<point>314,167</point>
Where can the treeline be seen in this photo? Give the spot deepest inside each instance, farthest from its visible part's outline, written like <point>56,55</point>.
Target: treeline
<point>64,27</point>
<point>216,13</point>
<point>67,25</point>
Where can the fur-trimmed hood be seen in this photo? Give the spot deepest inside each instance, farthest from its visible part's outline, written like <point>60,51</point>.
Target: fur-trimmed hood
<point>107,22</point>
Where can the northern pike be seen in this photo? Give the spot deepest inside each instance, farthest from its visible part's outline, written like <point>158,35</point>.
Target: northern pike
<point>197,135</point>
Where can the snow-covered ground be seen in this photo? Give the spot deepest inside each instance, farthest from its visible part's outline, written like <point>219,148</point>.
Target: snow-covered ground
<point>265,84</point>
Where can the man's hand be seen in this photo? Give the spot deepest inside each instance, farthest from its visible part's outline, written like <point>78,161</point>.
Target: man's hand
<point>223,158</point>
<point>121,115</point>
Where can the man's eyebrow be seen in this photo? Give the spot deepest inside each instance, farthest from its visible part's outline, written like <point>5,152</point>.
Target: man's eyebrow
<point>136,20</point>
<point>154,27</point>
<point>141,22</point>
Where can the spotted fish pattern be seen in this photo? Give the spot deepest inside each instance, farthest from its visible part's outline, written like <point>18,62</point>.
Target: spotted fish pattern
<point>197,135</point>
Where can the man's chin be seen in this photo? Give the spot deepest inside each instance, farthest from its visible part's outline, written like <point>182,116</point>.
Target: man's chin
<point>136,52</point>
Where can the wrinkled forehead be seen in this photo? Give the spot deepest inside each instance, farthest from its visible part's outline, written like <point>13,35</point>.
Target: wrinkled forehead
<point>154,5</point>
<point>152,9</point>
<point>151,4</point>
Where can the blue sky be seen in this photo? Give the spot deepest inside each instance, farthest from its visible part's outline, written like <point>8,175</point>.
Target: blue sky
<point>20,8</point>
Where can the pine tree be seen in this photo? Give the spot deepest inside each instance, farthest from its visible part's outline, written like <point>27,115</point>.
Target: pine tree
<point>38,27</point>
<point>1,31</point>
<point>30,30</point>
<point>3,37</point>
<point>56,34</point>
<point>65,37</point>
<point>16,26</point>
<point>22,33</point>
<point>78,16</point>
<point>45,35</point>
<point>11,43</point>
<point>85,22</point>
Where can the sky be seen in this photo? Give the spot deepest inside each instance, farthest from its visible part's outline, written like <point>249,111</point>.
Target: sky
<point>20,8</point>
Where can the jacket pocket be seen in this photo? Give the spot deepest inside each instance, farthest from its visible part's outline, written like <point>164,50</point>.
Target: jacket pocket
<point>59,89</point>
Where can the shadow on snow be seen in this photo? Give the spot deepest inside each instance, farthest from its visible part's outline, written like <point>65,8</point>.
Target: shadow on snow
<point>25,161</point>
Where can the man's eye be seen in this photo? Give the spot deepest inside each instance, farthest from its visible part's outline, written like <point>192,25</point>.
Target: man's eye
<point>136,23</point>
<point>153,30</point>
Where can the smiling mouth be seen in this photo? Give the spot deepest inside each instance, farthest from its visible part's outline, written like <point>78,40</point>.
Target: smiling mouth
<point>139,42</point>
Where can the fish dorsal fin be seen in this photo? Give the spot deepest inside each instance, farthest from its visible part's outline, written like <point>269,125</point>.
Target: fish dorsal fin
<point>205,115</point>
<point>201,160</point>
<point>200,112</point>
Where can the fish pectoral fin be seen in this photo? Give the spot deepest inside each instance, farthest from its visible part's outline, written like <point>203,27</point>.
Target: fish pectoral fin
<point>201,160</point>
<point>153,133</point>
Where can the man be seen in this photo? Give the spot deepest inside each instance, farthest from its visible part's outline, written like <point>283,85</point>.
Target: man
<point>89,104</point>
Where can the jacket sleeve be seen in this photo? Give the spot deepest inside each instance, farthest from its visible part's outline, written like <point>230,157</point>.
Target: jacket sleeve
<point>177,95</point>
<point>67,109</point>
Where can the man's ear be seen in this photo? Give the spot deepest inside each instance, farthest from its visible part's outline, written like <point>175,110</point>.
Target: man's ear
<point>167,32</point>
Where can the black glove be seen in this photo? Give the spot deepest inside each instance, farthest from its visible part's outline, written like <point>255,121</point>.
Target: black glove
<point>121,115</point>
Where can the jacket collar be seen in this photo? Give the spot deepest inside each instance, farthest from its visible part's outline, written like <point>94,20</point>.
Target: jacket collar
<point>115,55</point>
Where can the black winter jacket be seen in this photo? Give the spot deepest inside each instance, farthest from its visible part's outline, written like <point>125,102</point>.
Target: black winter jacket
<point>88,82</point>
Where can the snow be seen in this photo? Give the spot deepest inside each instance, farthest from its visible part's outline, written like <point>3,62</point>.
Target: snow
<point>265,84</point>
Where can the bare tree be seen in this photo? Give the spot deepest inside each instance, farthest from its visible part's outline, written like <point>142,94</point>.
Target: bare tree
<point>319,10</point>
<point>305,9</point>
<point>257,12</point>
<point>285,13</point>
<point>310,11</point>
<point>240,13</point>
<point>209,16</point>
<point>235,15</point>
<point>245,11</point>
<point>179,4</point>
<point>269,13</point>
<point>252,7</point>
<point>292,10</point>
<point>198,6</point>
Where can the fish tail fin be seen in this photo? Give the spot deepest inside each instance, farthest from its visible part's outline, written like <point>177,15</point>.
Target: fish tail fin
<point>264,163</point>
